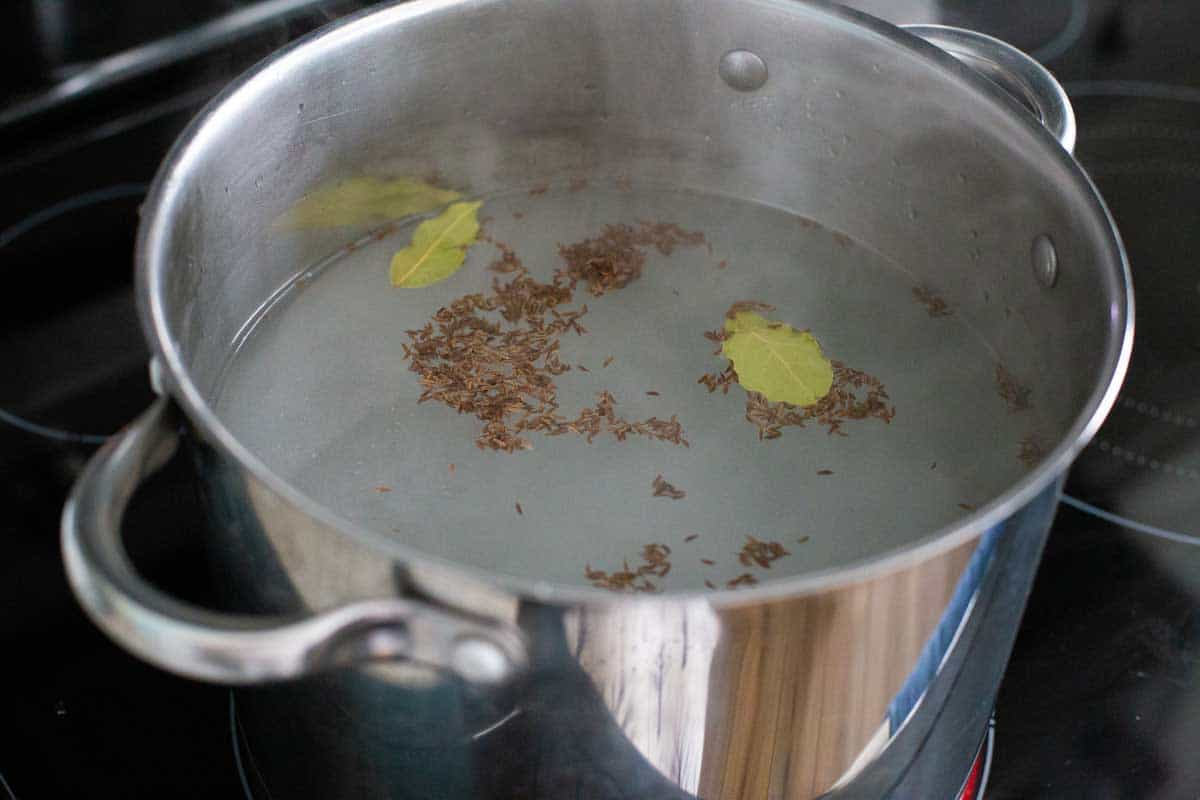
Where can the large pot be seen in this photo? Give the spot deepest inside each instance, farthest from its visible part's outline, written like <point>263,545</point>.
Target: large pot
<point>388,673</point>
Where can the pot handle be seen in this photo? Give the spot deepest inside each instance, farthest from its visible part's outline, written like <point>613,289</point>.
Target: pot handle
<point>241,649</point>
<point>1029,83</point>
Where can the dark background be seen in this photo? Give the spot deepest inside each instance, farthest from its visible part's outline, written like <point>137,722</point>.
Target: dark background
<point>1102,695</point>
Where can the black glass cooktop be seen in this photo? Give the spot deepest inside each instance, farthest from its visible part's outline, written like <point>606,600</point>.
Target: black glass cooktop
<point>1102,695</point>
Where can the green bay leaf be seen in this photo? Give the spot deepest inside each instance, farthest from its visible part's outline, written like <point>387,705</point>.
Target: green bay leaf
<point>776,360</point>
<point>364,201</point>
<point>438,248</point>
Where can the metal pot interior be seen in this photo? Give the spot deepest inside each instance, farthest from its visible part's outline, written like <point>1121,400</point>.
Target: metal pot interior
<point>871,190</point>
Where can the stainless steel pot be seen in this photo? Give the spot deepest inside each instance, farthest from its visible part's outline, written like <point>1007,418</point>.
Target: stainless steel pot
<point>400,675</point>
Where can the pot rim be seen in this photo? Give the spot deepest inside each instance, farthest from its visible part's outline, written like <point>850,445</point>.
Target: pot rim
<point>150,266</point>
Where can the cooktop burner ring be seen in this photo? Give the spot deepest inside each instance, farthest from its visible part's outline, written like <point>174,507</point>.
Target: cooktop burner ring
<point>1139,142</point>
<point>237,740</point>
<point>4,785</point>
<point>1133,525</point>
<point>118,193</point>
<point>1072,29</point>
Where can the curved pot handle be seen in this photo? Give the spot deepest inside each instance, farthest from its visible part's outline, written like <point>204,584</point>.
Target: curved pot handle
<point>239,649</point>
<point>1026,80</point>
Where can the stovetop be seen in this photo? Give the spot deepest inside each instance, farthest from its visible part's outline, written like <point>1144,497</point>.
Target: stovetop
<point>1102,695</point>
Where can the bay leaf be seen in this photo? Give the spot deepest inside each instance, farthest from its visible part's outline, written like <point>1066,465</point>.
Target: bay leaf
<point>438,248</point>
<point>364,201</point>
<point>776,360</point>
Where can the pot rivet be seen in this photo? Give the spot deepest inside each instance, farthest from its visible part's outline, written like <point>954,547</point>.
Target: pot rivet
<point>479,661</point>
<point>1045,260</point>
<point>742,70</point>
